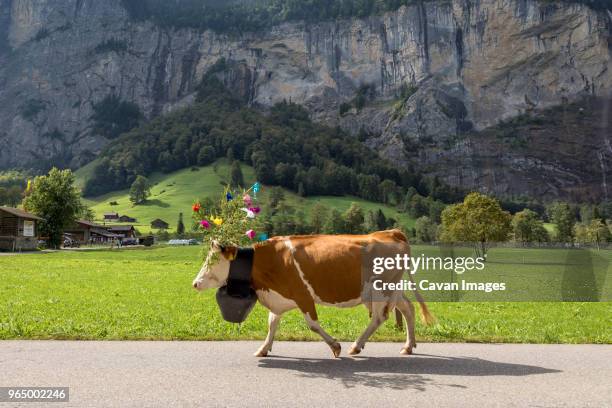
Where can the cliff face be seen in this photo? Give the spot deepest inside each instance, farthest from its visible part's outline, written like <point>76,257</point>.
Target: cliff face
<point>438,72</point>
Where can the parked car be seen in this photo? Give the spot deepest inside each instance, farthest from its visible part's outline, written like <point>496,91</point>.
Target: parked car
<point>129,241</point>
<point>70,242</point>
<point>147,241</point>
<point>183,242</point>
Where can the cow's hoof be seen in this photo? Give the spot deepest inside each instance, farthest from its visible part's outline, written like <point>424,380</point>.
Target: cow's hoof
<point>262,352</point>
<point>354,350</point>
<point>336,348</point>
<point>406,351</point>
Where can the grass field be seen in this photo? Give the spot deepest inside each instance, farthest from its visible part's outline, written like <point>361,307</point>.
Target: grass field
<point>147,294</point>
<point>175,193</point>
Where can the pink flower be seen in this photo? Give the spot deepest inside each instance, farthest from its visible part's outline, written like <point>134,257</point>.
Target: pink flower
<point>247,200</point>
<point>205,224</point>
<point>256,210</point>
<point>250,234</point>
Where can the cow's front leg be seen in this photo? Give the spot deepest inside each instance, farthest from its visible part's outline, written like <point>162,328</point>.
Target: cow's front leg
<point>273,321</point>
<point>316,327</point>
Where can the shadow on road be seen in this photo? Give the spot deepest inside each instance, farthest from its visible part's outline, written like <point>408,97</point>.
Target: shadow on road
<point>398,372</point>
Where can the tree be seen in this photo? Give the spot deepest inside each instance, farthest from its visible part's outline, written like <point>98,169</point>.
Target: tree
<point>335,223</point>
<point>418,206</point>
<point>353,218</point>
<point>527,227</point>
<point>370,222</point>
<point>388,189</point>
<point>57,201</point>
<point>425,229</point>
<point>10,196</point>
<point>180,226</point>
<point>564,219</point>
<point>479,220</point>
<point>140,190</point>
<point>318,215</point>
<point>276,196</point>
<point>237,179</point>
<point>598,232</point>
<point>206,155</point>
<point>381,221</point>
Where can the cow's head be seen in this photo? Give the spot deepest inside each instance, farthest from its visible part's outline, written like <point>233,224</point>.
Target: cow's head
<point>216,267</point>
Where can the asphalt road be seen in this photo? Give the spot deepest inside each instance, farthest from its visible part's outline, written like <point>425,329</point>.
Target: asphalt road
<point>162,374</point>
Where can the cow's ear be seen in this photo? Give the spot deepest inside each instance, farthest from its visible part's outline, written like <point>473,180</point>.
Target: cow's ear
<point>229,253</point>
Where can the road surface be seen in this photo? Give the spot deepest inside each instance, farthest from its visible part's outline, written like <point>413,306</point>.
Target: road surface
<point>161,374</point>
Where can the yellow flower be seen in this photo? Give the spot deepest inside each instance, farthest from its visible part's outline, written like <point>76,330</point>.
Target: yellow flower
<point>218,221</point>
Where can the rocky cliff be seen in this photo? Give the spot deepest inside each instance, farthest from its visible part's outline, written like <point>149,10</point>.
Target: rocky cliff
<point>419,84</point>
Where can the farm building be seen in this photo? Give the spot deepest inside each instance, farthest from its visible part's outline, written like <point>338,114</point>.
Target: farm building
<point>123,231</point>
<point>126,218</point>
<point>113,216</point>
<point>86,232</point>
<point>159,224</point>
<point>18,229</point>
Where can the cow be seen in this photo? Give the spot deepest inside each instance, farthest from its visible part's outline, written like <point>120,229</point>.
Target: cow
<point>290,272</point>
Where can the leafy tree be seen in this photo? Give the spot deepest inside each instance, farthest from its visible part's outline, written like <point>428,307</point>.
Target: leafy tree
<point>10,196</point>
<point>381,221</point>
<point>318,216</point>
<point>527,227</point>
<point>206,155</point>
<point>237,179</point>
<point>411,192</point>
<point>435,209</point>
<point>369,223</point>
<point>180,226</point>
<point>140,190</point>
<point>57,201</point>
<point>277,195</point>
<point>598,232</point>
<point>418,206</point>
<point>479,219</point>
<point>335,223</point>
<point>353,218</point>
<point>388,189</point>
<point>425,230</point>
<point>562,215</point>
<point>112,117</point>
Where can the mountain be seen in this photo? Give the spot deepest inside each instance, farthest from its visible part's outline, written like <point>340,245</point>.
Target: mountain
<point>436,84</point>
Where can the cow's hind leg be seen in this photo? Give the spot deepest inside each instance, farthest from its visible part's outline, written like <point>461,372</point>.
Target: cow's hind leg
<point>273,321</point>
<point>380,313</point>
<point>314,325</point>
<point>407,309</point>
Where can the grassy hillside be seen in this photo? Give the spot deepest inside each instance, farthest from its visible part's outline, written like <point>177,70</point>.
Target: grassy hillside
<point>175,192</point>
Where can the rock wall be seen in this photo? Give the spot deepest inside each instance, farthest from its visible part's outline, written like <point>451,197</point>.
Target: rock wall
<point>471,62</point>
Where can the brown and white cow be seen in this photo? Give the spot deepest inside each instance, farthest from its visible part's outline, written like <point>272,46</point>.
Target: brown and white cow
<point>303,271</point>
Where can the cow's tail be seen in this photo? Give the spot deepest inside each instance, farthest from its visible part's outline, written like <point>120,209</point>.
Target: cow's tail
<point>426,316</point>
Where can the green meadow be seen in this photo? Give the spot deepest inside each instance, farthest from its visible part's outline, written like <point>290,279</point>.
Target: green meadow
<point>139,294</point>
<point>174,193</point>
